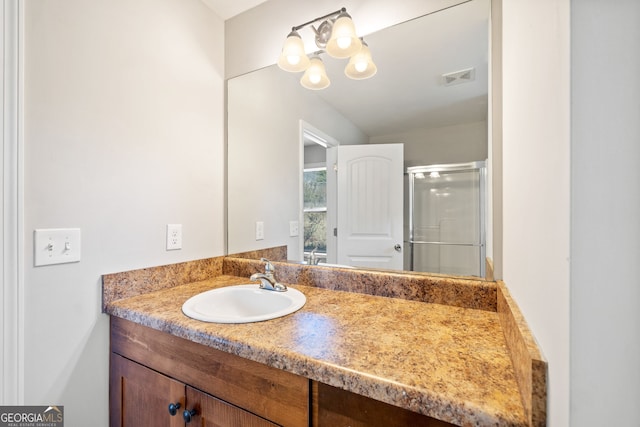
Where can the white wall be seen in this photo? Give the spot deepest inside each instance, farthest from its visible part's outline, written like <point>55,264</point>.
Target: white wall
<point>123,133</point>
<point>264,158</point>
<point>605,213</point>
<point>536,165</point>
<point>583,308</point>
<point>461,143</point>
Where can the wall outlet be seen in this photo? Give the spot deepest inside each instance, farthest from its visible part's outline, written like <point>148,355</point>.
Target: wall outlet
<point>56,246</point>
<point>259,230</point>
<point>174,237</point>
<point>293,229</point>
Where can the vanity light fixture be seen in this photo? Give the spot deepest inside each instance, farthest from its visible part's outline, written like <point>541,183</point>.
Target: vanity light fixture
<point>335,36</point>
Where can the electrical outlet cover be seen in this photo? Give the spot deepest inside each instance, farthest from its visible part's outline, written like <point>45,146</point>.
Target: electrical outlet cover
<point>293,229</point>
<point>174,237</point>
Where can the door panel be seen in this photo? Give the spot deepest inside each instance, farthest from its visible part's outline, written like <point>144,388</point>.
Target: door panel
<point>370,202</point>
<point>140,397</point>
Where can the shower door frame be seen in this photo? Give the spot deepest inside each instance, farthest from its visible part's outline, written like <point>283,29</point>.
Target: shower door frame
<point>481,167</point>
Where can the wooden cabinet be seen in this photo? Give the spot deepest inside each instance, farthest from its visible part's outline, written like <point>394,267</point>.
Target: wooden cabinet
<point>142,397</point>
<point>151,369</point>
<point>335,407</point>
<point>212,412</point>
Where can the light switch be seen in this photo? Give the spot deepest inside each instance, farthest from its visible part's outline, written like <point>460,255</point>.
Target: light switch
<point>259,230</point>
<point>56,246</point>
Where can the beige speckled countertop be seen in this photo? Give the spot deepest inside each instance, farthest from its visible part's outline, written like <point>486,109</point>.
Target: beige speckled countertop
<point>447,362</point>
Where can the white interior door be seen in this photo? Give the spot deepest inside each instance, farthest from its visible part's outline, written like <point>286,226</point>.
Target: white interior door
<point>370,203</point>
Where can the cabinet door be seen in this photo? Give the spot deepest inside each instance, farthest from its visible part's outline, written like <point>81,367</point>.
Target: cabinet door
<point>212,412</point>
<point>140,397</point>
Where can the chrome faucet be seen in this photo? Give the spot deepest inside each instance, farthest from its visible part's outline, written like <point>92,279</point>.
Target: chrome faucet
<point>268,279</point>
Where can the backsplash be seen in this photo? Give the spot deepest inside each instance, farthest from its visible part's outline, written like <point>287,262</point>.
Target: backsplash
<point>467,293</point>
<point>137,282</point>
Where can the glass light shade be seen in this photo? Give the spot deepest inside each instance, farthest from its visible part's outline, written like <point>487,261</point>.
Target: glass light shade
<point>361,65</point>
<point>315,77</point>
<point>343,42</point>
<point>293,57</point>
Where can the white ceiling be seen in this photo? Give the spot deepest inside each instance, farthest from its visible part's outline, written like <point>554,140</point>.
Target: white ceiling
<point>226,9</point>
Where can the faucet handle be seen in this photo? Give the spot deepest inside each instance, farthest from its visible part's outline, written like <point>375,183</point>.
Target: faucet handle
<point>268,268</point>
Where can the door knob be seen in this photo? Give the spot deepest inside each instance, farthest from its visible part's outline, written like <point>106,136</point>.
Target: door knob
<point>398,247</point>
<point>173,408</point>
<point>187,415</point>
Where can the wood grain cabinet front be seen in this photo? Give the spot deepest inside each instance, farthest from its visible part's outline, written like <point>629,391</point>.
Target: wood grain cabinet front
<point>152,369</point>
<point>333,407</point>
<point>212,412</point>
<point>143,397</point>
<point>139,396</point>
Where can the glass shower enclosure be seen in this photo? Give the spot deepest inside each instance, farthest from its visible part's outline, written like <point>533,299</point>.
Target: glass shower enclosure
<point>446,224</point>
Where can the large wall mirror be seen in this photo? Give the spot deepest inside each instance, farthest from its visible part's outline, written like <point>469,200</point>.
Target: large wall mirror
<point>291,151</point>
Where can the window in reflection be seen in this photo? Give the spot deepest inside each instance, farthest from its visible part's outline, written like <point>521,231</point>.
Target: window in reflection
<point>315,214</point>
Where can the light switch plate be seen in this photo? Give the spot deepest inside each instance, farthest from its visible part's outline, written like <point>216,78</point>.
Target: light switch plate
<point>56,246</point>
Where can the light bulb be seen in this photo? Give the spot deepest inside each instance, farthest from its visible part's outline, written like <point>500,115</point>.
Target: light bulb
<point>361,66</point>
<point>293,59</point>
<point>315,77</point>
<point>344,42</point>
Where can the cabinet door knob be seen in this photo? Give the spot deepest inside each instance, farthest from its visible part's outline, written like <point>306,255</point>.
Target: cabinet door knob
<point>187,415</point>
<point>173,408</point>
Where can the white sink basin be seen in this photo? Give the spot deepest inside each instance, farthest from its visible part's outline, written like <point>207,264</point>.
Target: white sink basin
<point>242,304</point>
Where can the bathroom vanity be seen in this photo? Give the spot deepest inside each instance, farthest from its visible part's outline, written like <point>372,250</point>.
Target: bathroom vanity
<point>152,370</point>
<point>438,352</point>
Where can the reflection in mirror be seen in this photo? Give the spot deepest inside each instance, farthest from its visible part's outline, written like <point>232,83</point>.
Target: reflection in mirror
<point>318,195</point>
<point>429,95</point>
<point>446,219</point>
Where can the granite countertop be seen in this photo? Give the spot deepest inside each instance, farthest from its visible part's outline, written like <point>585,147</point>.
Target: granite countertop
<point>450,363</point>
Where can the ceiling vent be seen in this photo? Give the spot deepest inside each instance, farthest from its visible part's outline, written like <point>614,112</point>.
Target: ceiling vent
<point>458,77</point>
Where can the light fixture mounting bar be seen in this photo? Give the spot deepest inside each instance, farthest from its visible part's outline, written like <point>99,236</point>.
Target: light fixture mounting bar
<point>328,15</point>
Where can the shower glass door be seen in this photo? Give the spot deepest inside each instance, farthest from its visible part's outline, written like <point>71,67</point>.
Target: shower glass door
<point>446,219</point>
